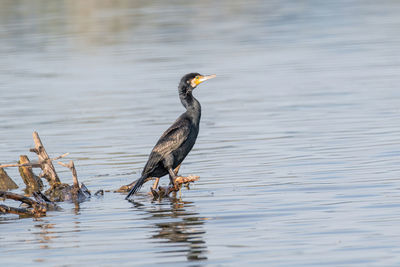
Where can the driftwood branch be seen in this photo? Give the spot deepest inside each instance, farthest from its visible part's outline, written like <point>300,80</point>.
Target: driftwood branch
<point>6,183</point>
<point>71,166</point>
<point>50,205</point>
<point>59,157</point>
<point>40,203</point>
<point>78,193</point>
<point>45,161</point>
<point>36,208</point>
<point>19,211</point>
<point>32,164</point>
<point>32,182</point>
<point>17,197</point>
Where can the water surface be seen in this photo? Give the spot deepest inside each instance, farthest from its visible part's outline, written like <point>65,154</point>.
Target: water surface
<point>298,150</point>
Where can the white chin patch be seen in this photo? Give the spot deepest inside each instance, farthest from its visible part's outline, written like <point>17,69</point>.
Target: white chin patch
<point>192,83</point>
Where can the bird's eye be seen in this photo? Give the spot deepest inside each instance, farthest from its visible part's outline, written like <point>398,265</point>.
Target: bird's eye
<point>197,77</point>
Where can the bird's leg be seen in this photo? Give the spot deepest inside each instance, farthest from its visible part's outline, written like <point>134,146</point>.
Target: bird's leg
<point>172,178</point>
<point>155,185</point>
<point>177,169</point>
<point>176,173</point>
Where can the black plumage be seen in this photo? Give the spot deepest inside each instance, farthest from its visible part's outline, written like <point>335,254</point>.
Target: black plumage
<point>177,141</point>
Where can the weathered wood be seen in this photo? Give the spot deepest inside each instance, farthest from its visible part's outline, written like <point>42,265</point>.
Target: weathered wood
<point>59,192</point>
<point>6,183</point>
<point>32,182</point>
<point>36,208</point>
<point>71,166</point>
<point>59,157</point>
<point>19,211</point>
<point>17,197</point>
<point>32,163</point>
<point>47,166</point>
<point>42,199</point>
<point>78,193</point>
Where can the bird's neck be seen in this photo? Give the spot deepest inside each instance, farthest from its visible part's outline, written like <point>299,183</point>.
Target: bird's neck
<point>193,108</point>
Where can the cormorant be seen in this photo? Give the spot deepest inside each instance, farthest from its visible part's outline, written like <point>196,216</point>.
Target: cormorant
<point>177,141</point>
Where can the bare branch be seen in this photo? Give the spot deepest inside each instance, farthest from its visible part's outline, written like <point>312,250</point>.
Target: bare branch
<point>71,166</point>
<point>59,157</point>
<point>45,162</point>
<point>33,164</point>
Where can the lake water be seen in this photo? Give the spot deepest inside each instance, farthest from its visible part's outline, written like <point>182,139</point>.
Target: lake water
<point>299,145</point>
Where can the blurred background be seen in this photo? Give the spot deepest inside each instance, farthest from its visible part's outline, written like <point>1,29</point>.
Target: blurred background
<point>298,150</point>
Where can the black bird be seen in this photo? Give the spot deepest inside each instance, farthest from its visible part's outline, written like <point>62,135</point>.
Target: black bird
<point>177,141</point>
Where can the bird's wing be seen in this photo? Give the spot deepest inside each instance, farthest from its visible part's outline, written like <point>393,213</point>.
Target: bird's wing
<point>171,139</point>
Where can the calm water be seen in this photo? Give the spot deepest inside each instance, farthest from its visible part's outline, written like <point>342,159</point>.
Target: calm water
<point>299,146</point>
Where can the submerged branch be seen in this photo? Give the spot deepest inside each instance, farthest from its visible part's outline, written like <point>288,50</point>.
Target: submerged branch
<point>18,211</point>
<point>36,208</point>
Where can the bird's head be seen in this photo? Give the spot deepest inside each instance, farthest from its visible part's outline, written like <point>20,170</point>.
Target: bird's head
<point>191,80</point>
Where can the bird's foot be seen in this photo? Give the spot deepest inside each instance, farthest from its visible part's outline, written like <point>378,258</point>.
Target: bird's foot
<point>161,192</point>
<point>182,180</point>
<point>186,180</point>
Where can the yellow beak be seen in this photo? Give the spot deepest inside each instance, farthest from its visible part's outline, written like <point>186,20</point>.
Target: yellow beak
<point>201,79</point>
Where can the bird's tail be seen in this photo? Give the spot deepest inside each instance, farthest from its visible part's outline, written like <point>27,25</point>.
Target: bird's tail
<point>136,187</point>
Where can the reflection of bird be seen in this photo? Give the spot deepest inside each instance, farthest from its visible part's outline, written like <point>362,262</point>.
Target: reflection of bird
<point>177,141</point>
